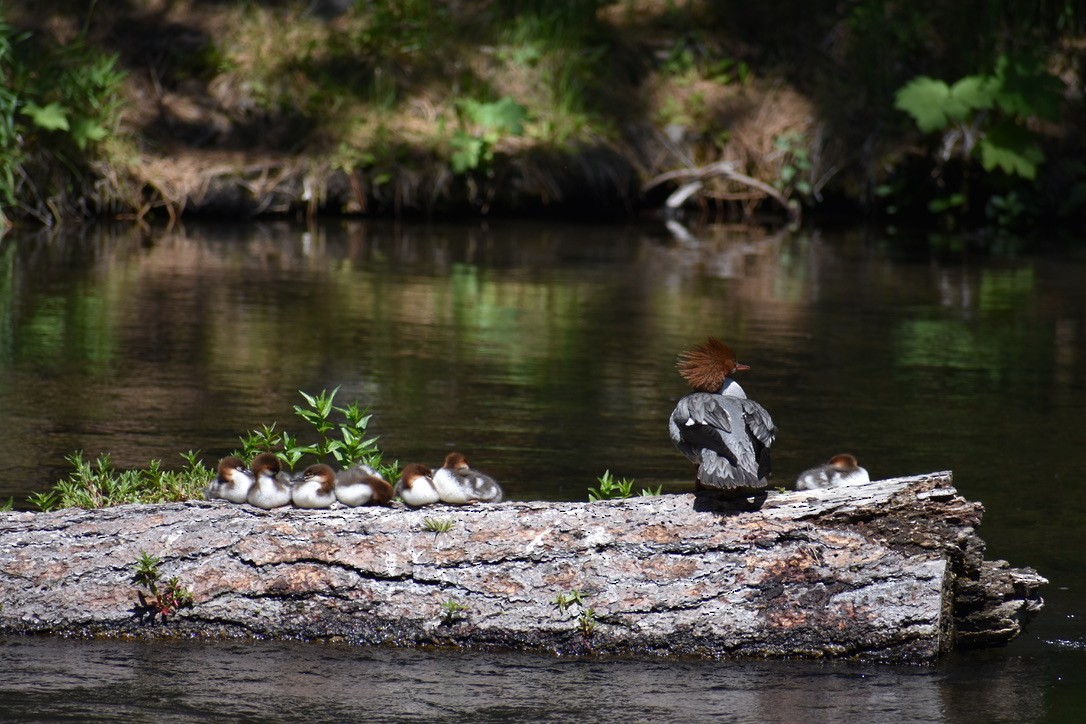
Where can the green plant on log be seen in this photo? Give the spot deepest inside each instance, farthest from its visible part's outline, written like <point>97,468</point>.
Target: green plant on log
<point>612,489</point>
<point>44,500</point>
<point>9,504</point>
<point>165,600</point>
<point>344,441</point>
<point>986,117</point>
<point>438,525</point>
<point>585,616</point>
<point>453,611</point>
<point>97,484</point>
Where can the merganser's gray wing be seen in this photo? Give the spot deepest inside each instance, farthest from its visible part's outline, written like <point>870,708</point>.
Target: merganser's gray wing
<point>700,421</point>
<point>729,437</point>
<point>763,431</point>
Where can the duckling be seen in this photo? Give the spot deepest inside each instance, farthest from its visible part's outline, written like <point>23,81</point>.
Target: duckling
<point>272,488</point>
<point>416,486</point>
<point>315,487</point>
<point>458,484</point>
<point>233,481</point>
<point>361,485</point>
<point>841,469</point>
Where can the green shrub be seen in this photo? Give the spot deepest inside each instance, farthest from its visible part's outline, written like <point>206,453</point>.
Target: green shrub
<point>57,104</point>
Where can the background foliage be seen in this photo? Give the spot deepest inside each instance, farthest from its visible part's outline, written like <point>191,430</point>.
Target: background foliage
<point>923,112</point>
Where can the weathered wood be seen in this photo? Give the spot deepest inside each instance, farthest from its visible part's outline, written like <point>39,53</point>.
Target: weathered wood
<point>891,571</point>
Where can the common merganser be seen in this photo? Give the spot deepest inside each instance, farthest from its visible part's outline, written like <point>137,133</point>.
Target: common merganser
<point>717,427</point>
<point>458,484</point>
<point>416,486</point>
<point>315,487</point>
<point>841,469</point>
<point>232,483</point>
<point>361,485</point>
<point>271,488</point>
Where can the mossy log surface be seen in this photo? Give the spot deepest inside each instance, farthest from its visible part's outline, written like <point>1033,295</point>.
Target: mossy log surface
<point>892,571</point>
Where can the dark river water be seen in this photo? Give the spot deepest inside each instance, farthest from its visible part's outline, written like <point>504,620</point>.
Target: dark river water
<point>546,354</point>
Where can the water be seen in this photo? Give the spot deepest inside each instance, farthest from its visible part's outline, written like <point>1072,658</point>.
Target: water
<point>546,354</point>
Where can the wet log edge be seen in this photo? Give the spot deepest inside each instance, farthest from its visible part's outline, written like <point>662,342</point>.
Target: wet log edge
<point>890,571</point>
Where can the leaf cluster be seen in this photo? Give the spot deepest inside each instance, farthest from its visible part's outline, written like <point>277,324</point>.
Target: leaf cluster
<point>165,600</point>
<point>483,124</point>
<point>97,484</point>
<point>343,440</point>
<point>612,489</point>
<point>57,103</point>
<point>992,107</point>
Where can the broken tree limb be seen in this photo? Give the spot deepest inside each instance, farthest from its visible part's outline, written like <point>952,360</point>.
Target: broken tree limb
<point>692,180</point>
<point>890,571</point>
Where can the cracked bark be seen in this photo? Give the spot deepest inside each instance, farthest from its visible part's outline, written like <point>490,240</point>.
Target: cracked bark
<point>889,571</point>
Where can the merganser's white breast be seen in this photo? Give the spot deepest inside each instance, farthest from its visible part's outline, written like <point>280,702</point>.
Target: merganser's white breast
<point>361,485</point>
<point>416,486</point>
<point>315,488</point>
<point>841,470</point>
<point>272,487</point>
<point>232,482</point>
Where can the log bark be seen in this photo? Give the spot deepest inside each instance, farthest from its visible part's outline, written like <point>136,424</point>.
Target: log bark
<point>890,571</point>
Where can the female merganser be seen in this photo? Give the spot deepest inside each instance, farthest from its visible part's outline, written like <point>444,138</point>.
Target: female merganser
<point>717,427</point>
<point>458,484</point>
<point>315,488</point>
<point>416,486</point>
<point>233,481</point>
<point>841,469</point>
<point>361,485</point>
<point>272,486</point>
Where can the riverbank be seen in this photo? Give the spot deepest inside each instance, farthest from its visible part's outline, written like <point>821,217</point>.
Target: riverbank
<point>591,110</point>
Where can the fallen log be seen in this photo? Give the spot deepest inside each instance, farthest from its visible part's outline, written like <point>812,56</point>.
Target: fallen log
<point>890,571</point>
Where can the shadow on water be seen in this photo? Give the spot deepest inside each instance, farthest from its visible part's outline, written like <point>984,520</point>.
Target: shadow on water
<point>546,354</point>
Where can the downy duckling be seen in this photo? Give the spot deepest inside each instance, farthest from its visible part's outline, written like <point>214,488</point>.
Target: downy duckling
<point>416,486</point>
<point>233,481</point>
<point>315,487</point>
<point>458,484</point>
<point>272,486</point>
<point>360,485</point>
<point>841,469</point>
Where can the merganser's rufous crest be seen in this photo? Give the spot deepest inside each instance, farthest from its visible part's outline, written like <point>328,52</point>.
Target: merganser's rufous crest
<point>458,484</point>
<point>315,487</point>
<point>360,485</point>
<point>233,481</point>
<point>416,486</point>
<point>271,487</point>
<point>841,469</point>
<point>717,427</point>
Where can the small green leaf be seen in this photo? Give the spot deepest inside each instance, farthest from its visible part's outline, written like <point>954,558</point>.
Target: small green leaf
<point>86,131</point>
<point>1017,160</point>
<point>52,117</point>
<point>975,92</point>
<point>925,99</point>
<point>468,152</point>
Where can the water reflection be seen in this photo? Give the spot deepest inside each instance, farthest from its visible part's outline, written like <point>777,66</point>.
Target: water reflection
<point>192,681</point>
